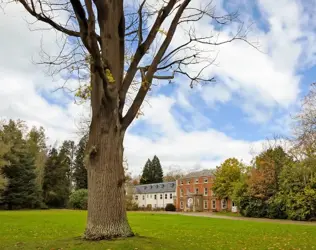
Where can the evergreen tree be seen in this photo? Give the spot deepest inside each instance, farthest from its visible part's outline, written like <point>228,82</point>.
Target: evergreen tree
<point>50,181</point>
<point>36,141</point>
<point>4,148</point>
<point>147,174</point>
<point>156,169</point>
<point>18,168</point>
<point>80,172</point>
<point>152,172</point>
<point>56,183</point>
<point>66,160</point>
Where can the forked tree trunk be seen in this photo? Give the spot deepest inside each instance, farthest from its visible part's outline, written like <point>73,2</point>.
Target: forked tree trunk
<point>106,193</point>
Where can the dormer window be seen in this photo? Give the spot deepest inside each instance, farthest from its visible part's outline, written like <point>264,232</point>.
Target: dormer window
<point>196,180</point>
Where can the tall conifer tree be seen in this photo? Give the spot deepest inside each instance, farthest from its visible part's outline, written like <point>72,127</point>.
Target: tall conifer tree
<point>80,172</point>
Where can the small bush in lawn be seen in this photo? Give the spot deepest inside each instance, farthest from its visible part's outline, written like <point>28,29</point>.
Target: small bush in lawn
<point>131,205</point>
<point>170,207</point>
<point>79,199</point>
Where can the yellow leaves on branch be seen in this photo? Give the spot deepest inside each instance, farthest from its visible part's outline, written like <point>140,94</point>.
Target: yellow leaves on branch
<point>109,76</point>
<point>162,31</point>
<point>128,58</point>
<point>84,92</point>
<point>139,113</point>
<point>145,84</point>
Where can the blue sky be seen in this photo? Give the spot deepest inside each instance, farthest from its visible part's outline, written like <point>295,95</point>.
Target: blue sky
<point>253,98</point>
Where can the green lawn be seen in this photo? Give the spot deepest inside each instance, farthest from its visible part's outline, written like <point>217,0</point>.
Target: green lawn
<point>231,214</point>
<point>61,229</point>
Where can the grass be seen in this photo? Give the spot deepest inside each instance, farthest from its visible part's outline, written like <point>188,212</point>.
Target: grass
<point>61,229</point>
<point>231,214</point>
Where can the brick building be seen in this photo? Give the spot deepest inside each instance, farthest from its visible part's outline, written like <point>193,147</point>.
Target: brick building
<point>194,193</point>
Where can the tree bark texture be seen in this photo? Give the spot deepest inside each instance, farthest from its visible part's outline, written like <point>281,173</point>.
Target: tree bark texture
<point>106,194</point>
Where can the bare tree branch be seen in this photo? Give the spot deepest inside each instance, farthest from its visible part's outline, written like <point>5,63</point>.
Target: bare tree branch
<point>42,17</point>
<point>132,112</point>
<point>141,50</point>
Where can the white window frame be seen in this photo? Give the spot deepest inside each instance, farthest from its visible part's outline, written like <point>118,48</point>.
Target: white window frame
<point>205,180</point>
<point>197,180</point>
<point>155,197</point>
<point>205,204</point>
<point>181,192</point>
<point>181,204</point>
<point>136,197</point>
<point>205,191</point>
<point>213,204</point>
<point>143,197</point>
<point>223,201</point>
<point>181,182</point>
<point>160,196</point>
<point>170,195</point>
<point>188,182</point>
<point>197,190</point>
<point>166,196</point>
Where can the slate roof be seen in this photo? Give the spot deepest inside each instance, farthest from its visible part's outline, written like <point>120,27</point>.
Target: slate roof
<point>162,187</point>
<point>205,172</point>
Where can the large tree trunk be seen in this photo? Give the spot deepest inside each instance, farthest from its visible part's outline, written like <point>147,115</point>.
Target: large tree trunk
<point>106,194</point>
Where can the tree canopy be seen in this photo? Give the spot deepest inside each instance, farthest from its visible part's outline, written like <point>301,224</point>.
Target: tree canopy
<point>226,175</point>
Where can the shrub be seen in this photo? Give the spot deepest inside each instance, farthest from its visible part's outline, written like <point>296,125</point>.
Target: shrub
<point>170,207</point>
<point>276,208</point>
<point>79,199</point>
<point>131,205</point>
<point>252,207</point>
<point>302,205</point>
<point>158,209</point>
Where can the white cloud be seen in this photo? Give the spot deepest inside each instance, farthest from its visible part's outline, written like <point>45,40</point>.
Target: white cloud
<point>264,80</point>
<point>207,148</point>
<point>216,93</point>
<point>22,81</point>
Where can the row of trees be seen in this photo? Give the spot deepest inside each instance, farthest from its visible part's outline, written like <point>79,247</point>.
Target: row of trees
<point>280,183</point>
<point>274,186</point>
<point>32,175</point>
